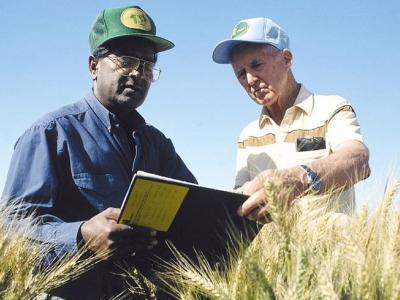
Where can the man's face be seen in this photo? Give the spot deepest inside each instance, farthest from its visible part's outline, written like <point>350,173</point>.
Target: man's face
<point>263,71</point>
<point>120,91</point>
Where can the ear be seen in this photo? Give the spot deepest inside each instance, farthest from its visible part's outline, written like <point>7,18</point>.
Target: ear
<point>288,57</point>
<point>93,67</point>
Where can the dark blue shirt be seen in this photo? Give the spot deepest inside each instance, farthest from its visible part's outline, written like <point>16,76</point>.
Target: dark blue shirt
<point>77,161</point>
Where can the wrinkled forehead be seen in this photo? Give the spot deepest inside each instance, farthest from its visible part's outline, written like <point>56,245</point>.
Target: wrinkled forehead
<point>252,48</point>
<point>246,54</point>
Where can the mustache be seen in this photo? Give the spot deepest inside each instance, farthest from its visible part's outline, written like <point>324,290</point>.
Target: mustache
<point>138,85</point>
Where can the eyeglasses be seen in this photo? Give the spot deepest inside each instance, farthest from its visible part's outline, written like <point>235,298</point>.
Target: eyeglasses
<point>126,64</point>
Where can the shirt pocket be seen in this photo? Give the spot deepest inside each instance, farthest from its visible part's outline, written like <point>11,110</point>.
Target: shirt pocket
<point>102,190</point>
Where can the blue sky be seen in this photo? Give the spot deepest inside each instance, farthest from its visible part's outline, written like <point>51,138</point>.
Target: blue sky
<point>348,48</point>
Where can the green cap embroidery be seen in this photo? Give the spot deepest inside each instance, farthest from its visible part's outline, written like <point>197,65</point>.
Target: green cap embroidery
<point>239,30</point>
<point>135,18</point>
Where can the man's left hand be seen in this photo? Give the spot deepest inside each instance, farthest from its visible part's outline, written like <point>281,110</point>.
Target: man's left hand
<point>288,184</point>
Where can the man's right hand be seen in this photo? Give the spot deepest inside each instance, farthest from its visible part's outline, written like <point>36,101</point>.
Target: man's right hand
<point>103,234</point>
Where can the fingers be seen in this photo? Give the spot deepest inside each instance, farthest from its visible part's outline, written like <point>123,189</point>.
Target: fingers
<point>255,208</point>
<point>128,233</point>
<point>263,216</point>
<point>260,215</point>
<point>139,244</point>
<point>250,187</point>
<point>252,216</point>
<point>255,201</point>
<point>102,233</point>
<point>127,240</point>
<point>257,183</point>
<point>112,213</point>
<point>140,230</point>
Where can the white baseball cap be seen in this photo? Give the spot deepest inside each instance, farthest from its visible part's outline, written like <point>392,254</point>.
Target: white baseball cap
<point>255,30</point>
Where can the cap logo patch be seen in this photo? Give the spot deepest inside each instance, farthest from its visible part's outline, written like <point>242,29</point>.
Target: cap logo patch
<point>135,18</point>
<point>239,30</point>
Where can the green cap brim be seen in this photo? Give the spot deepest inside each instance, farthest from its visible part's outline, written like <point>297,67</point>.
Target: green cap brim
<point>160,44</point>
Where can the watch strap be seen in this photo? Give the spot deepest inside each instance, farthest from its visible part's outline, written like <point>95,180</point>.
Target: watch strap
<point>314,182</point>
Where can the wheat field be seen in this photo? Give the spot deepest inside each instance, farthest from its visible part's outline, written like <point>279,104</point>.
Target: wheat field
<point>296,256</point>
<point>304,256</point>
<point>22,275</point>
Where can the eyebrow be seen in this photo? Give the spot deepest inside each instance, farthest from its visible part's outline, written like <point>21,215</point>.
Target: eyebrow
<point>255,62</point>
<point>239,72</point>
<point>150,58</point>
<point>252,64</point>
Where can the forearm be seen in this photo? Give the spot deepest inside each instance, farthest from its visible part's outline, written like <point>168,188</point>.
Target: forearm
<point>344,167</point>
<point>341,169</point>
<point>58,239</point>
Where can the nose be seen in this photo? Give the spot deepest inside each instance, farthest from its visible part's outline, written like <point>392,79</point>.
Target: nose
<point>138,71</point>
<point>251,78</point>
<point>134,73</point>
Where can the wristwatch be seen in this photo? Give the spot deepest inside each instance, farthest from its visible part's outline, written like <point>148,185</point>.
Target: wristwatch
<point>313,180</point>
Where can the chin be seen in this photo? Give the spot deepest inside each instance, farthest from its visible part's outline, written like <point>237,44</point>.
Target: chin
<point>263,102</point>
<point>134,104</point>
<point>268,101</point>
<point>130,104</point>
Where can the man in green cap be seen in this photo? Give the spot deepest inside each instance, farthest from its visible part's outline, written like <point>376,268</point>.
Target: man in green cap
<point>74,166</point>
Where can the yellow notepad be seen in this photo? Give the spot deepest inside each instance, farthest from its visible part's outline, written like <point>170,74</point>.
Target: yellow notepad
<point>152,204</point>
<point>189,216</point>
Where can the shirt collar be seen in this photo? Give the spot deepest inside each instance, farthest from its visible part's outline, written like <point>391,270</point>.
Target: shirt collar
<point>108,118</point>
<point>304,101</point>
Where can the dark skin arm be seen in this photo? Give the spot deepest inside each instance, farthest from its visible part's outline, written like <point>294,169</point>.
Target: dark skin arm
<point>103,234</point>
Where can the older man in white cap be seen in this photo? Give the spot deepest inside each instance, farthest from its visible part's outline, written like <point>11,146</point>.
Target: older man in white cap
<point>308,145</point>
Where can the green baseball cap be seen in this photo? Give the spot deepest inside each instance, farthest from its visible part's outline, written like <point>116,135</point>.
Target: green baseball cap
<point>127,21</point>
